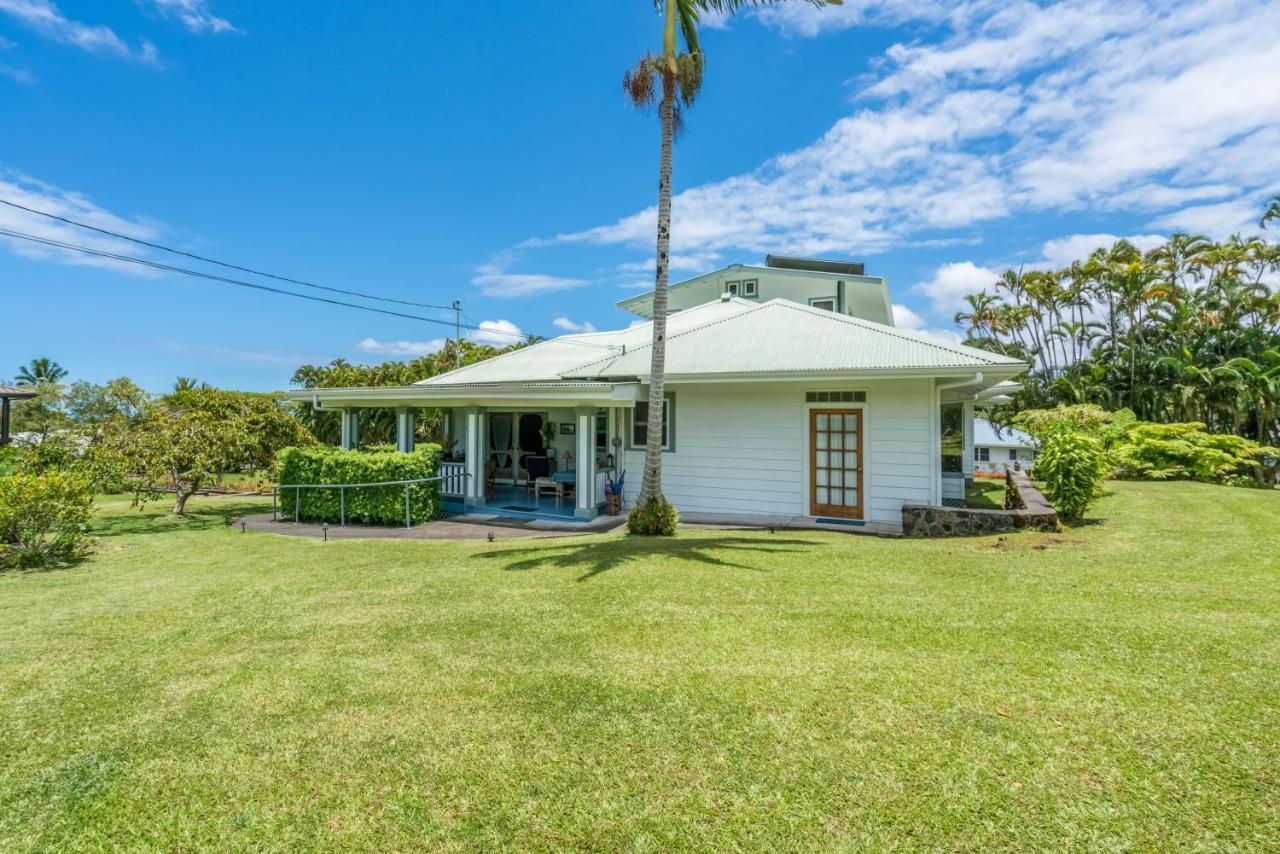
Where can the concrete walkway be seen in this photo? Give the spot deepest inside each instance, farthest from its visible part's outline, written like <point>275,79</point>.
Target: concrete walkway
<point>477,526</point>
<point>469,527</point>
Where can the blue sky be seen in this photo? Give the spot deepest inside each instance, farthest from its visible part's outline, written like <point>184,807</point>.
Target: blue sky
<point>484,152</point>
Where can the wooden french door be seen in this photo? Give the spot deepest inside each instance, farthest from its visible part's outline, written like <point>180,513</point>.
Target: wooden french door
<point>835,463</point>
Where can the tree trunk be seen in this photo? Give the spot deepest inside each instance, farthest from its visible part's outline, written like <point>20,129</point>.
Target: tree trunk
<point>651,487</point>
<point>180,501</point>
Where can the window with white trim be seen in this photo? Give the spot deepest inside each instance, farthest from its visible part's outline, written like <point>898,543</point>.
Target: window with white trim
<point>982,455</point>
<point>731,288</point>
<point>749,288</point>
<point>824,303</point>
<point>640,424</point>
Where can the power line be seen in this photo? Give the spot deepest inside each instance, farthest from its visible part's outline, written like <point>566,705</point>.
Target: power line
<point>257,286</point>
<point>229,266</point>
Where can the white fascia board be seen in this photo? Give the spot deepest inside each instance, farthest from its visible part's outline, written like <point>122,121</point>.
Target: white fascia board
<point>991,374</point>
<point>565,394</point>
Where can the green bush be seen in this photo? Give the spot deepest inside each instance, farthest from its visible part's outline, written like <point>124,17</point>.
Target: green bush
<point>383,505</point>
<point>655,517</point>
<point>1072,466</point>
<point>1147,451</point>
<point>43,519</point>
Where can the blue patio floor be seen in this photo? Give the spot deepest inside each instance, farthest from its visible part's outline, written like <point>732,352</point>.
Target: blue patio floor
<point>506,500</point>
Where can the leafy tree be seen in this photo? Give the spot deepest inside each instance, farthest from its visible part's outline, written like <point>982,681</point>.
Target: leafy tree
<point>672,80</point>
<point>186,440</point>
<point>41,370</point>
<point>88,403</point>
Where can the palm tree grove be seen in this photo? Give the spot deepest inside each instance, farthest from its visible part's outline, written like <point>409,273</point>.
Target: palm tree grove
<point>1188,331</point>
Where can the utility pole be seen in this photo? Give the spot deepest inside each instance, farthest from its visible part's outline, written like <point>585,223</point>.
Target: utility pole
<point>457,330</point>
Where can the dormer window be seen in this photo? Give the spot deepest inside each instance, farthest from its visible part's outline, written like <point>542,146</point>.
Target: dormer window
<point>731,288</point>
<point>749,288</point>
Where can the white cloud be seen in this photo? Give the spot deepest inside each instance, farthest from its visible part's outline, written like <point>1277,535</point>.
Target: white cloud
<point>806,20</point>
<point>44,17</point>
<point>413,349</point>
<point>1218,220</point>
<point>494,281</point>
<point>1061,251</point>
<point>1020,108</point>
<point>570,326</point>
<point>37,195</point>
<point>905,318</point>
<point>194,15</point>
<point>499,333</point>
<point>951,283</point>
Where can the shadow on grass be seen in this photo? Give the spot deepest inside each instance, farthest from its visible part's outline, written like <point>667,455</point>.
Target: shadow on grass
<point>158,518</point>
<point>596,558</point>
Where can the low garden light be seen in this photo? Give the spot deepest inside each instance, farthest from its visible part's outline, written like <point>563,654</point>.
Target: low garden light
<point>491,537</point>
<point>324,529</point>
<point>244,526</point>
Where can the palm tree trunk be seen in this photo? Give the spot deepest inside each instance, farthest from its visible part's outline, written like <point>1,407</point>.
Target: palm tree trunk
<point>651,486</point>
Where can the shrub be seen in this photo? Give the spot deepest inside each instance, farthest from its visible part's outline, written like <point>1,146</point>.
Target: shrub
<point>382,505</point>
<point>1186,452</point>
<point>1072,466</point>
<point>43,519</point>
<point>654,517</point>
<point>1084,417</point>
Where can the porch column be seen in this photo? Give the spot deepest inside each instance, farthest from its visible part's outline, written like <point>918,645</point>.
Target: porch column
<point>473,448</point>
<point>4,420</point>
<point>350,428</point>
<point>404,429</point>
<point>968,442</point>
<point>584,489</point>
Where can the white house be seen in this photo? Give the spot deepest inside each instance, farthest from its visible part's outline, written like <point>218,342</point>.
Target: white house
<point>777,407</point>
<point>997,449</point>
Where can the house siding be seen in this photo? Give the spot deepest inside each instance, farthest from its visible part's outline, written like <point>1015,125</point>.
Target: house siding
<point>743,448</point>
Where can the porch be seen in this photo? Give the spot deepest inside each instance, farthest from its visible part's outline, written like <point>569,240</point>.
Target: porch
<point>565,440</point>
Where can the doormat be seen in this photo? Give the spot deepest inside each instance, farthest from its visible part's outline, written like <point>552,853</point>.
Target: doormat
<point>520,509</point>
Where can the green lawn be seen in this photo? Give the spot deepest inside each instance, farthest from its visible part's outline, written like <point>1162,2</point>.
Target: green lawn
<point>985,493</point>
<point>193,687</point>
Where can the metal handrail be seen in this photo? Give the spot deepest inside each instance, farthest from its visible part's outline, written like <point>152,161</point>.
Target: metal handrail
<point>342,495</point>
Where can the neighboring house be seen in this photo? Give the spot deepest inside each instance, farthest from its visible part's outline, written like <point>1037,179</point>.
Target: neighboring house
<point>997,449</point>
<point>776,408</point>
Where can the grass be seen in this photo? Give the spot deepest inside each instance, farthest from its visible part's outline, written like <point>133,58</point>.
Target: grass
<point>986,493</point>
<point>193,687</point>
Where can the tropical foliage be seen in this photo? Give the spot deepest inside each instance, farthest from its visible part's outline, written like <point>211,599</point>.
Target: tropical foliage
<point>1072,466</point>
<point>1144,450</point>
<point>1188,331</point>
<point>378,426</point>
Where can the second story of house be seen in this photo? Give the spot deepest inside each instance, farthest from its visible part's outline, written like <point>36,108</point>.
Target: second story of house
<point>840,286</point>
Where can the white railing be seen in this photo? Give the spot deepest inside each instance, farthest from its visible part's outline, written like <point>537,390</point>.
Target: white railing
<point>453,480</point>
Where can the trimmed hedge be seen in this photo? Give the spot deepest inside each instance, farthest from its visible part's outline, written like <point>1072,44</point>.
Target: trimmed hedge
<point>379,505</point>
